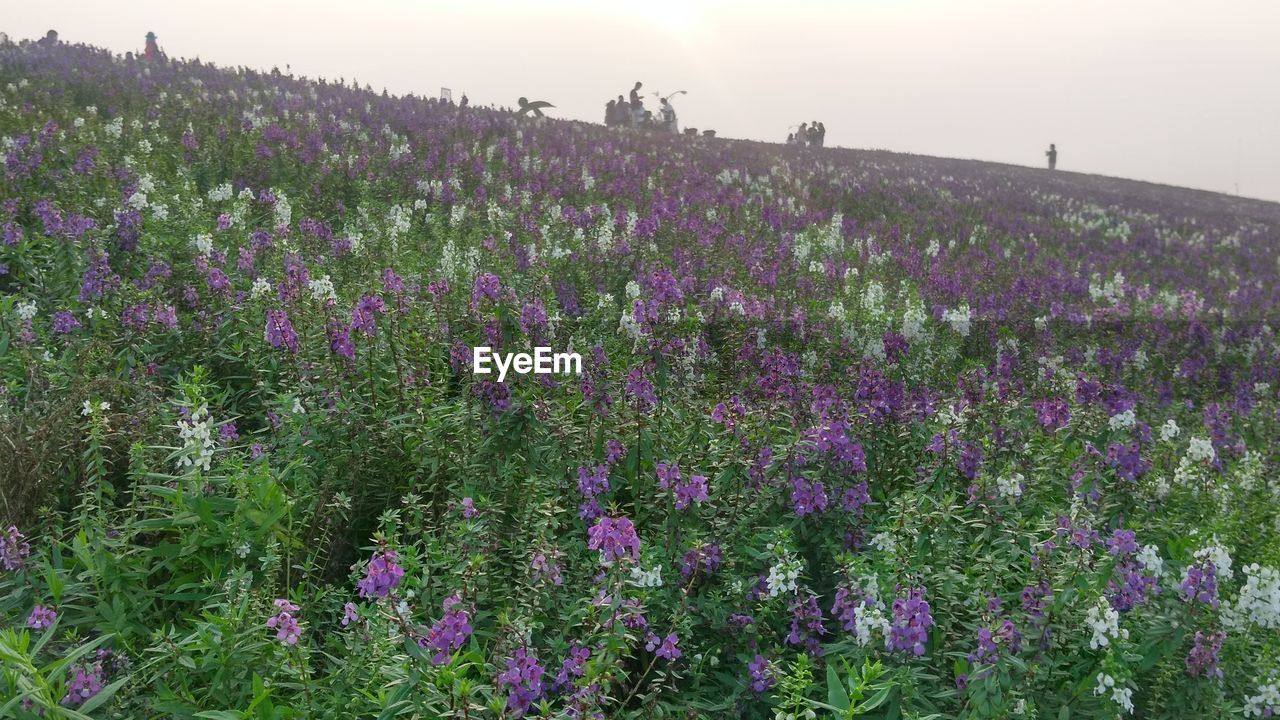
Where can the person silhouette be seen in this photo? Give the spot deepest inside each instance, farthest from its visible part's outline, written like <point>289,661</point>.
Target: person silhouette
<point>822,134</point>
<point>50,39</point>
<point>668,114</point>
<point>152,51</point>
<point>1052,154</point>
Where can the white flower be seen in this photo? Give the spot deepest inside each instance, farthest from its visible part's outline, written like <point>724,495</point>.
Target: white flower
<point>1124,698</point>
<point>959,319</point>
<point>866,619</point>
<point>1122,421</point>
<point>1149,558</point>
<point>88,408</point>
<point>197,437</point>
<point>25,310</point>
<point>1268,697</point>
<point>633,289</point>
<point>298,409</point>
<point>260,288</point>
<point>1259,600</point>
<point>782,577</point>
<point>646,578</point>
<point>1104,621</point>
<point>1217,555</point>
<point>1200,450</point>
<point>322,289</point>
<point>884,542</point>
<point>1169,430</point>
<point>204,243</point>
<point>1011,486</point>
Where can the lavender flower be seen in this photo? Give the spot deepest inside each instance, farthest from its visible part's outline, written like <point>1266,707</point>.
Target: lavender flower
<point>615,538</point>
<point>13,551</point>
<point>909,630</point>
<point>288,631</point>
<point>382,575</point>
<point>41,618</point>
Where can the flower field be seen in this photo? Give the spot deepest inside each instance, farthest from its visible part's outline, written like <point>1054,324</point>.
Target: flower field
<point>856,434</point>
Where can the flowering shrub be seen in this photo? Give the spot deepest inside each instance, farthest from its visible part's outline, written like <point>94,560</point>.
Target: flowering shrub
<point>855,433</point>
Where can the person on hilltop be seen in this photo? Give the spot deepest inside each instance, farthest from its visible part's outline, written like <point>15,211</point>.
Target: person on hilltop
<point>668,115</point>
<point>1052,154</point>
<point>822,134</point>
<point>610,114</point>
<point>152,51</point>
<point>49,40</point>
<point>621,112</point>
<point>812,136</point>
<point>802,134</point>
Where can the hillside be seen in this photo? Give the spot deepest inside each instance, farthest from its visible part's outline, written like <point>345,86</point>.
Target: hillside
<point>855,433</point>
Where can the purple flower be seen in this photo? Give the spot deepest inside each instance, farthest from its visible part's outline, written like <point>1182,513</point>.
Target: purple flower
<point>391,282</point>
<point>1201,584</point>
<point>761,674</point>
<point>807,496</point>
<point>227,432</point>
<point>279,332</point>
<point>469,508</point>
<point>806,625</point>
<point>382,576</point>
<point>708,558</point>
<point>86,681</point>
<point>911,622</point>
<point>545,569</point>
<point>522,679</point>
<point>1202,661</point>
<point>615,538</point>
<point>349,614</point>
<point>1052,414</point>
<point>288,631</point>
<point>41,617</point>
<point>64,322</point>
<point>13,551</point>
<point>1122,542</point>
<point>641,390</point>
<point>363,315</point>
<point>694,491</point>
<point>450,632</point>
<point>574,666</point>
<point>664,648</point>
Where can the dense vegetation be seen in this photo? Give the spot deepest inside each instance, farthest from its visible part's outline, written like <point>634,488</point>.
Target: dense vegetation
<point>857,434</point>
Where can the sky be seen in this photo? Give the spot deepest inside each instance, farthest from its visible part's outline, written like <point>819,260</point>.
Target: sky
<point>1182,92</point>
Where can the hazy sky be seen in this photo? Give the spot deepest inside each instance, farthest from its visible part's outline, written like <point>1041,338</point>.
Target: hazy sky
<point>1184,92</point>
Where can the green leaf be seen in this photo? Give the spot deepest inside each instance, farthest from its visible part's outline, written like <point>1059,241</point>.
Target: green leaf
<point>876,700</point>
<point>836,695</point>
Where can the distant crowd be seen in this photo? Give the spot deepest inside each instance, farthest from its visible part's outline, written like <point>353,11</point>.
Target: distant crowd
<point>631,112</point>
<point>625,111</point>
<point>812,134</point>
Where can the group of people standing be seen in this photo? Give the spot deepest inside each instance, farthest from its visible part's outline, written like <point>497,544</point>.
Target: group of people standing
<point>631,112</point>
<point>812,134</point>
